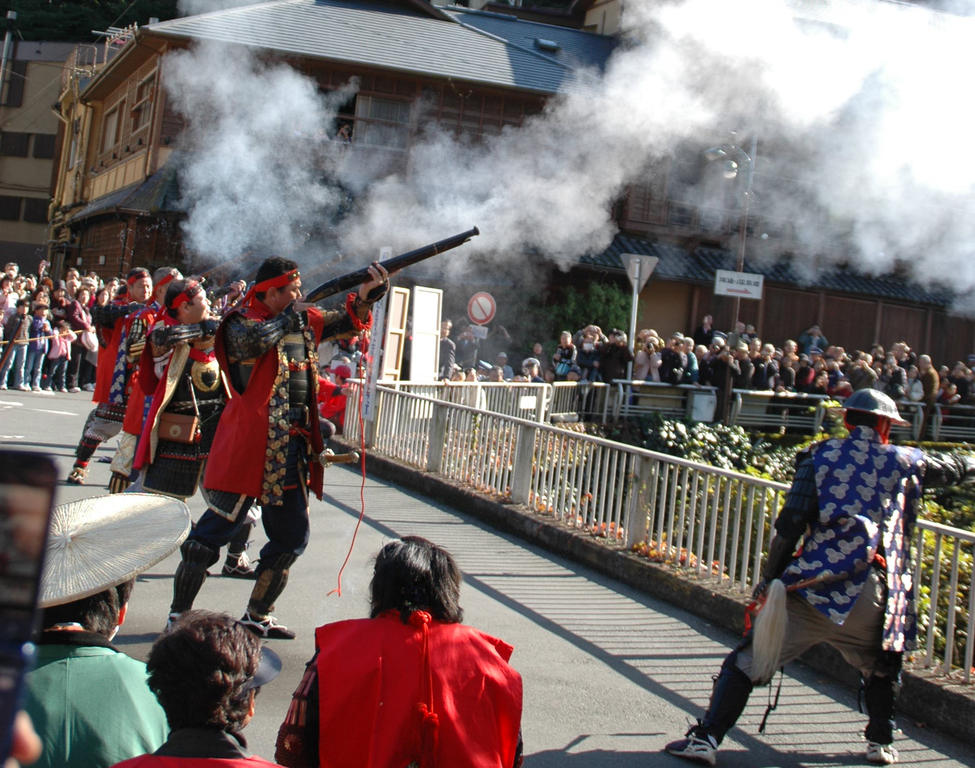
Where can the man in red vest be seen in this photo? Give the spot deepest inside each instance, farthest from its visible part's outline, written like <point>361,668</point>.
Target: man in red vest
<point>135,407</point>
<point>268,443</point>
<point>116,363</point>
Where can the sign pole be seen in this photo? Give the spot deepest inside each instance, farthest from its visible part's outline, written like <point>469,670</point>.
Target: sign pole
<point>638,269</point>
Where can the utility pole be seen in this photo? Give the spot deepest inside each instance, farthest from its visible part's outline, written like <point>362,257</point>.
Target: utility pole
<point>7,42</point>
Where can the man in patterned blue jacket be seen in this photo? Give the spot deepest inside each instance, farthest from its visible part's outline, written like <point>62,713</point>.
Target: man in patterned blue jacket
<point>853,507</point>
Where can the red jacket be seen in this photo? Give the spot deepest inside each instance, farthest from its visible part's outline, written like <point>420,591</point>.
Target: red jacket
<point>237,456</point>
<point>391,693</point>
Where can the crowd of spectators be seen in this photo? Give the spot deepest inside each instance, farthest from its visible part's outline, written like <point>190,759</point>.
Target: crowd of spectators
<point>736,359</point>
<point>49,342</point>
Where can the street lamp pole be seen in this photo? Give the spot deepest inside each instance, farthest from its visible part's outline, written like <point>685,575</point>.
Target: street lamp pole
<point>734,157</point>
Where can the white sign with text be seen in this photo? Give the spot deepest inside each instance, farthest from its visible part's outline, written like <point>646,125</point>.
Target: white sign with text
<point>744,285</point>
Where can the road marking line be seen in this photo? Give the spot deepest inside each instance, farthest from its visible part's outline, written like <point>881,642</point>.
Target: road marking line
<point>57,413</point>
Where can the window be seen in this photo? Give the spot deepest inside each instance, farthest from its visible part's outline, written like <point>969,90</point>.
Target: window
<point>112,127</point>
<point>44,145</point>
<point>35,210</point>
<point>14,144</point>
<point>10,208</point>
<point>382,122</point>
<point>142,109</point>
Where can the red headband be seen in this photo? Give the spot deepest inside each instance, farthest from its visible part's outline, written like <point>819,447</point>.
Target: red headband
<point>191,289</point>
<point>133,279</point>
<point>276,282</point>
<point>166,280</point>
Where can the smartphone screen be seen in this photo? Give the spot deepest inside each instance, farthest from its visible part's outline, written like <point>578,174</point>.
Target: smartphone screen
<point>27,483</point>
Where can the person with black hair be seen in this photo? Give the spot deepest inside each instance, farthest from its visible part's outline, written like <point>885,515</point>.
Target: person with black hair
<point>268,447</point>
<point>88,701</point>
<point>116,362</point>
<point>140,325</point>
<point>206,672</point>
<point>853,505</point>
<point>188,394</point>
<point>410,685</point>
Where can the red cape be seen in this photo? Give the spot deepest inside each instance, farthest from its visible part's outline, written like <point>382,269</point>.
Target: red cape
<point>377,687</point>
<point>105,366</point>
<point>237,457</point>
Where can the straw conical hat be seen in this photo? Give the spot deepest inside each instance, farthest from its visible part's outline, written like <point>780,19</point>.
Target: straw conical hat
<point>97,543</point>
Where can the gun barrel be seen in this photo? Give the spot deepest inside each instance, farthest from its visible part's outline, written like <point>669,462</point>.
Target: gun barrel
<point>344,282</point>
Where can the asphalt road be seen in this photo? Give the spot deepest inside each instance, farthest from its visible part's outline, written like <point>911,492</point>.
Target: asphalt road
<point>610,674</point>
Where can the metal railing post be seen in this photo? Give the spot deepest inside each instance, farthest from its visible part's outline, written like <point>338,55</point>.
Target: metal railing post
<point>438,428</point>
<point>521,480</point>
<point>637,518</point>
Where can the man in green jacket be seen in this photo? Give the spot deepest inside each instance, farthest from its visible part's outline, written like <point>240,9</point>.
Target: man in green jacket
<point>89,702</point>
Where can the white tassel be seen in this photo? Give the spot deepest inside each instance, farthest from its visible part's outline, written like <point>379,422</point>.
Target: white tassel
<point>769,634</point>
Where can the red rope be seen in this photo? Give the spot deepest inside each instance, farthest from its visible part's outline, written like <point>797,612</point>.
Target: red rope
<point>362,487</point>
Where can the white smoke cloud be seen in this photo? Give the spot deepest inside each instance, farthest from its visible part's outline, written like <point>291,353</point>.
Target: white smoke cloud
<point>256,179</point>
<point>860,121</point>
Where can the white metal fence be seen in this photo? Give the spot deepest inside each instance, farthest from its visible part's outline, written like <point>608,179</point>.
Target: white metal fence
<point>710,524</point>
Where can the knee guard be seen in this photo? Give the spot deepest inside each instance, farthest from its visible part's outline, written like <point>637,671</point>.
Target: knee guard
<point>879,693</point>
<point>732,687</point>
<point>191,573</point>
<point>272,577</point>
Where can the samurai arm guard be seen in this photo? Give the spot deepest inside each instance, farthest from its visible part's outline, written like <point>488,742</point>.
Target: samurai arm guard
<point>165,337</point>
<point>247,339</point>
<point>135,342</point>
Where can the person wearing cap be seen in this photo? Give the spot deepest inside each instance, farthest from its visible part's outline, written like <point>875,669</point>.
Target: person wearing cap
<point>852,505</point>
<point>206,672</point>
<point>531,367</point>
<point>410,685</point>
<point>268,447</point>
<point>501,361</point>
<point>135,407</point>
<point>88,701</point>
<point>116,362</point>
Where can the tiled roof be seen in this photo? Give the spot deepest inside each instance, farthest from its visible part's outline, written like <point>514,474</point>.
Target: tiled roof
<point>387,35</point>
<point>676,263</point>
<point>575,47</point>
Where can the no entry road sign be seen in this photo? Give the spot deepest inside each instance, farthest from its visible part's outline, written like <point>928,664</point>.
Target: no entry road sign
<point>481,308</point>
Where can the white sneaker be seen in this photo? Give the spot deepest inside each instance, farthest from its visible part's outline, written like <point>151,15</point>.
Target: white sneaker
<point>695,748</point>
<point>881,754</point>
<point>89,387</point>
<point>74,390</point>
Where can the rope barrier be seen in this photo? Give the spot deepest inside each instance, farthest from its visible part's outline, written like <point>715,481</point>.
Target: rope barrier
<point>38,338</point>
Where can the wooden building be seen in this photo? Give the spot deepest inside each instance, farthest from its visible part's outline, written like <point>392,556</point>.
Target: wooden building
<point>116,194</point>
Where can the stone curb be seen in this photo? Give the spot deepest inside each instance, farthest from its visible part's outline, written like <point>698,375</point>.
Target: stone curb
<point>931,702</point>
